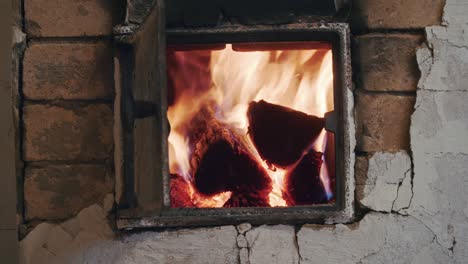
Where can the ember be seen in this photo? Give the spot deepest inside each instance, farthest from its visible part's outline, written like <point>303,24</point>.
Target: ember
<point>247,127</point>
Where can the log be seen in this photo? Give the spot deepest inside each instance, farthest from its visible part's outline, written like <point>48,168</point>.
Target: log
<point>302,184</point>
<point>180,192</point>
<point>248,197</point>
<point>221,160</point>
<point>281,134</point>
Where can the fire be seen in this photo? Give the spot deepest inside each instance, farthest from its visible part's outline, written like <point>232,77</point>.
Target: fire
<point>298,79</point>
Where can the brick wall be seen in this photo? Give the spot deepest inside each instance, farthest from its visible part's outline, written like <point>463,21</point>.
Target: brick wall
<point>67,98</point>
<point>67,94</point>
<point>414,199</point>
<point>386,35</point>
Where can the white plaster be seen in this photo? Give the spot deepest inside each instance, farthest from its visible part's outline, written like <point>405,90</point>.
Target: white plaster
<point>404,194</point>
<point>18,36</point>
<point>204,245</point>
<point>378,238</point>
<point>455,13</point>
<point>88,238</point>
<point>440,121</point>
<point>440,197</point>
<point>387,171</point>
<point>49,243</point>
<point>272,245</point>
<point>439,134</point>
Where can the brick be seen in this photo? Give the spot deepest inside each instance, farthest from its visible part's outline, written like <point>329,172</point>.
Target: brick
<point>396,14</point>
<point>68,133</point>
<point>61,191</point>
<point>386,62</point>
<point>68,71</point>
<point>360,173</point>
<point>52,18</point>
<point>383,121</point>
<point>360,169</point>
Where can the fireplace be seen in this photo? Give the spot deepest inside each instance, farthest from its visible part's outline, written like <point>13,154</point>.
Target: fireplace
<point>248,124</point>
<point>235,123</point>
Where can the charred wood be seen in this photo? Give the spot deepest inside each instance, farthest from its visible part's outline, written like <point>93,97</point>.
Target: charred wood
<point>248,197</point>
<point>281,134</point>
<point>302,184</point>
<point>221,161</point>
<point>180,192</point>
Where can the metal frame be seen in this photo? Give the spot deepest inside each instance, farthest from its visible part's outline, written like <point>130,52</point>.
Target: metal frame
<point>341,121</point>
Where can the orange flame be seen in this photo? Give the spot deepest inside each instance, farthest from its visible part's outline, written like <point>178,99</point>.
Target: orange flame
<point>299,79</point>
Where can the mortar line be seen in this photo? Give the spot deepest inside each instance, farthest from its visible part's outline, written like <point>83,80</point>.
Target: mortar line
<point>62,102</point>
<point>70,40</point>
<point>395,93</point>
<point>45,163</point>
<point>388,31</point>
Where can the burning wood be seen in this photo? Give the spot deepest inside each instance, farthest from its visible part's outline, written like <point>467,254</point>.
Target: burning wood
<point>209,92</point>
<point>248,197</point>
<point>302,184</point>
<point>281,134</point>
<point>180,192</point>
<point>221,161</point>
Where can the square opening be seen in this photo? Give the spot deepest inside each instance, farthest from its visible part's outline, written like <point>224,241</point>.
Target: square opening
<point>231,96</point>
<point>248,124</point>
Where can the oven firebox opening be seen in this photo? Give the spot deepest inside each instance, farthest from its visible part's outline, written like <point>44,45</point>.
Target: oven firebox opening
<point>248,124</point>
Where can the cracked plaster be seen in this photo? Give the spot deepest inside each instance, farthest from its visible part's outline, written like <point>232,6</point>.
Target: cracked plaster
<point>388,185</point>
<point>418,217</point>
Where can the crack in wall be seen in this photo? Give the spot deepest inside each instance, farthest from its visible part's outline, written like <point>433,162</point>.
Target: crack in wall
<point>296,243</point>
<point>375,253</point>
<point>436,239</point>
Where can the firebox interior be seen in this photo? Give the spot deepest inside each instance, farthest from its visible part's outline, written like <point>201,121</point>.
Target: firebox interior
<point>248,124</point>
<point>147,103</point>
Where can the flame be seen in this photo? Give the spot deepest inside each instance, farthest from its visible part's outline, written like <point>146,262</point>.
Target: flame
<point>299,79</point>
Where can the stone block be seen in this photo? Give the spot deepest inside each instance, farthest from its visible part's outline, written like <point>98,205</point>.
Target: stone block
<point>61,191</point>
<point>68,71</point>
<point>386,62</point>
<point>60,18</point>
<point>68,133</point>
<point>383,121</point>
<point>241,241</point>
<point>244,227</point>
<point>396,14</point>
<point>244,256</point>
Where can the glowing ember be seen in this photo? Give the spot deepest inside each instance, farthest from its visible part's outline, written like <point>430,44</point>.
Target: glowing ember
<point>297,79</point>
